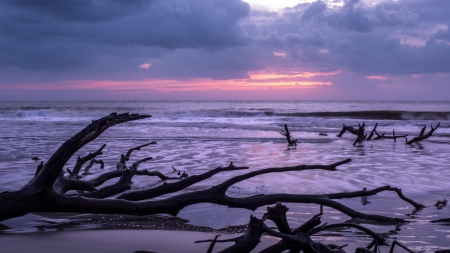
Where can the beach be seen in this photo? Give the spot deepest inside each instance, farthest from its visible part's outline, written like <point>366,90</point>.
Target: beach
<point>197,136</point>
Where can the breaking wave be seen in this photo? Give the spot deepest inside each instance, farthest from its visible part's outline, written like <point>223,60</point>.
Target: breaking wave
<point>376,115</point>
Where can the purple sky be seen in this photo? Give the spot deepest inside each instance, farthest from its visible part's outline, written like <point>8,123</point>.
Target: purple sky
<point>224,49</point>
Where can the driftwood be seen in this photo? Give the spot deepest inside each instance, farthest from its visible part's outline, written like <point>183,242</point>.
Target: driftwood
<point>361,136</point>
<point>383,136</point>
<point>349,129</point>
<point>421,135</point>
<point>288,136</point>
<point>299,239</point>
<point>49,191</point>
<point>393,137</point>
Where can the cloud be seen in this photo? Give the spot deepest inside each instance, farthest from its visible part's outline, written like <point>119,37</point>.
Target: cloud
<point>145,66</point>
<point>362,38</point>
<point>58,35</point>
<point>185,40</point>
<point>190,63</point>
<point>357,16</point>
<point>443,34</point>
<point>76,11</point>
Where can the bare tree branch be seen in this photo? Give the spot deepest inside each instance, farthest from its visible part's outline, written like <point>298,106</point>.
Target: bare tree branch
<point>128,154</point>
<point>84,159</point>
<point>55,164</point>
<point>93,160</point>
<point>421,136</point>
<point>288,136</point>
<point>177,186</point>
<point>349,129</point>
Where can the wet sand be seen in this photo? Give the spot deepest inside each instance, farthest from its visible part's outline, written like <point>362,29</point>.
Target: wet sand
<point>111,241</point>
<point>123,241</point>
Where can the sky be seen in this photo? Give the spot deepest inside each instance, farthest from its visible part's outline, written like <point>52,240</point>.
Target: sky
<point>224,50</point>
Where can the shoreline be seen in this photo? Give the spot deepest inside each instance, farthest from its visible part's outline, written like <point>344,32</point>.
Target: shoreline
<point>111,241</point>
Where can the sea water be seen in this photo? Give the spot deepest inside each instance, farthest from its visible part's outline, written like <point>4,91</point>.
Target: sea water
<point>196,136</point>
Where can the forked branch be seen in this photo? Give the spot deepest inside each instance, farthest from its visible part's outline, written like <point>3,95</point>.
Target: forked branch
<point>349,129</point>
<point>421,136</point>
<point>288,136</point>
<point>128,154</point>
<point>55,164</point>
<point>82,160</point>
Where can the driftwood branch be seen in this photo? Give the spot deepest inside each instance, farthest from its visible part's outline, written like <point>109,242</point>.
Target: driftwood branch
<point>128,154</point>
<point>394,137</point>
<point>421,135</point>
<point>372,132</point>
<point>91,163</point>
<point>82,160</point>
<point>360,137</point>
<point>39,168</point>
<point>296,240</point>
<point>177,186</point>
<point>248,241</point>
<point>349,129</point>
<point>122,185</point>
<point>288,136</point>
<point>51,169</point>
<point>172,205</point>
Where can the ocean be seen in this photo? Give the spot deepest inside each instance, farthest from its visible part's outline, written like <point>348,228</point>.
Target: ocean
<point>196,136</point>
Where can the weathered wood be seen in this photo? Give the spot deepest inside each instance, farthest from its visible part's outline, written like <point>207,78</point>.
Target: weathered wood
<point>349,129</point>
<point>421,135</point>
<point>366,192</point>
<point>277,214</point>
<point>177,186</point>
<point>39,168</point>
<point>65,184</point>
<point>128,154</point>
<point>215,195</point>
<point>360,136</point>
<point>394,137</point>
<point>82,160</point>
<point>91,163</point>
<point>55,164</point>
<point>120,186</point>
<point>288,136</point>
<point>248,241</point>
<point>372,132</point>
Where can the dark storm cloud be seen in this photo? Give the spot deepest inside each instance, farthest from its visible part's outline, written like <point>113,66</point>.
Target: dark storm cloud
<point>357,17</point>
<point>56,35</point>
<point>78,10</point>
<point>379,39</point>
<point>434,11</point>
<point>443,34</point>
